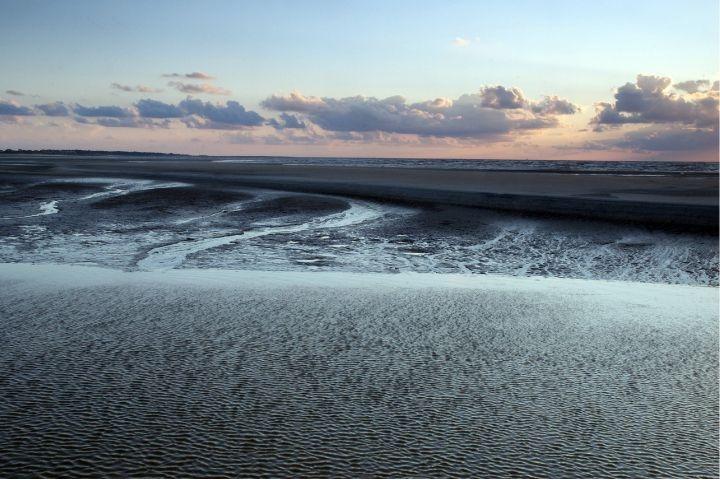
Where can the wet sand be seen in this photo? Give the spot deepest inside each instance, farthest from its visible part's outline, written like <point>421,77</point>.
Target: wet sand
<point>176,368</point>
<point>162,214</point>
<point>274,374</point>
<point>675,200</point>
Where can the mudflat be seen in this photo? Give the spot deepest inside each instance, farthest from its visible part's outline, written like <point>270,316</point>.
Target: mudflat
<point>678,200</point>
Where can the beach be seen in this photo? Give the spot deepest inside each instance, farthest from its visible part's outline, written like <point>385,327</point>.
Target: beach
<point>670,199</point>
<point>642,223</point>
<point>326,374</point>
<point>184,317</point>
<point>359,240</point>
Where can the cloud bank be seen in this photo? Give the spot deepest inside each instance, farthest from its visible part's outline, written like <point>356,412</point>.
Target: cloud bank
<point>672,121</point>
<point>652,114</point>
<point>104,111</point>
<point>490,112</point>
<point>14,109</point>
<point>148,113</point>
<point>649,100</point>
<point>55,109</point>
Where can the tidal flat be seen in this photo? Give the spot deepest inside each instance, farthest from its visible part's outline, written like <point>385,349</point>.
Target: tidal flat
<point>201,373</point>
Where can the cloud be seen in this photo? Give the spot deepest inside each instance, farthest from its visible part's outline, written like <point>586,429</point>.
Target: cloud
<point>648,101</point>
<point>194,113</point>
<point>103,111</point>
<point>669,139</point>
<point>13,108</point>
<point>218,116</point>
<point>198,88</point>
<point>295,102</point>
<point>137,88</point>
<point>664,138</point>
<point>286,121</point>
<point>671,121</point>
<point>693,86</point>
<point>460,42</point>
<point>15,93</point>
<point>126,122</point>
<point>156,109</point>
<point>55,109</point>
<point>555,106</point>
<point>193,75</point>
<point>149,113</point>
<point>492,111</point>
<point>280,137</point>
<point>499,97</point>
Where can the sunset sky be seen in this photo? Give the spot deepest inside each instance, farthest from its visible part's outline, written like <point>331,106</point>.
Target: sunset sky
<point>475,79</point>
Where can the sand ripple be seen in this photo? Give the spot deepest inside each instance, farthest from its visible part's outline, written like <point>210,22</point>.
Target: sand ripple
<point>138,381</point>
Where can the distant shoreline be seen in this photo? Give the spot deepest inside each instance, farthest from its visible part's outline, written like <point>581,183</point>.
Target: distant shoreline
<point>95,153</point>
<point>103,153</point>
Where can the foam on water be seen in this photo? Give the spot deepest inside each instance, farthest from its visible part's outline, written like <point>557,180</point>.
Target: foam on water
<point>172,256</point>
<point>123,187</point>
<point>46,208</point>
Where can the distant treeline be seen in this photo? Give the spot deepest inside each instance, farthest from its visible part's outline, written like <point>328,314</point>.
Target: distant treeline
<point>9,151</point>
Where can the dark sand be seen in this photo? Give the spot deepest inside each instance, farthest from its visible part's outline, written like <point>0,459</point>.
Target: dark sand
<point>673,200</point>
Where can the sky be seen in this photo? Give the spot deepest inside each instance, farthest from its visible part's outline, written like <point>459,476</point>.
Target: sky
<point>448,79</point>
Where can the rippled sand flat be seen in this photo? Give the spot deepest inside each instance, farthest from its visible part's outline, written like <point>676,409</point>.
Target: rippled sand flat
<point>215,373</point>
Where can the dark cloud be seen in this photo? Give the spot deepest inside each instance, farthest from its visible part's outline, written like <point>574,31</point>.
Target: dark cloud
<point>15,93</point>
<point>648,101</point>
<point>12,108</point>
<point>555,106</point>
<point>55,109</point>
<point>136,88</point>
<point>149,113</point>
<point>668,138</point>
<point>210,115</point>
<point>103,111</point>
<point>193,75</point>
<point>286,121</point>
<point>199,88</point>
<point>156,109</point>
<point>493,111</point>
<point>672,122</point>
<point>693,86</point>
<point>198,114</point>
<point>501,98</point>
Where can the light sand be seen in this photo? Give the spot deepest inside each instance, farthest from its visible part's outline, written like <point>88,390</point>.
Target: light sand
<point>201,373</point>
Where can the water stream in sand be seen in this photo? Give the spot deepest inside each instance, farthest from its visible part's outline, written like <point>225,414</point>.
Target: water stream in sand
<point>46,208</point>
<point>169,233</point>
<point>173,255</point>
